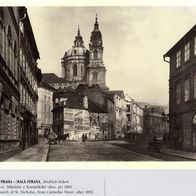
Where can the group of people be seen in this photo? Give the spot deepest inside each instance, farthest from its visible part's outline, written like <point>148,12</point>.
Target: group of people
<point>84,137</point>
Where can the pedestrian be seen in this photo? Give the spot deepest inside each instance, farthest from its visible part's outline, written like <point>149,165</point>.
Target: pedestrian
<point>83,137</point>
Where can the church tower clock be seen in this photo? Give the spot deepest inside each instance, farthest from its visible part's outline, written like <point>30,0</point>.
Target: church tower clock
<point>96,68</point>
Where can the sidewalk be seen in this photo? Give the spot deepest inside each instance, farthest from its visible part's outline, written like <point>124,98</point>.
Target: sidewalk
<point>166,150</point>
<point>180,153</point>
<point>37,152</point>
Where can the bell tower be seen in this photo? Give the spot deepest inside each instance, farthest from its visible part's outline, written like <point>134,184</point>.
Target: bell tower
<point>96,68</point>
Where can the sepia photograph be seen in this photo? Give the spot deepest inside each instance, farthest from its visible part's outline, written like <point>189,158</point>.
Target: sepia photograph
<point>97,83</point>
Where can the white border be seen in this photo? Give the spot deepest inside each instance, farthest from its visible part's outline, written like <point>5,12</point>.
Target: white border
<point>97,3</point>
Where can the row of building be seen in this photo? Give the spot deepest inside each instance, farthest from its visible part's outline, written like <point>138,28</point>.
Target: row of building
<point>19,78</point>
<point>97,113</point>
<point>79,102</point>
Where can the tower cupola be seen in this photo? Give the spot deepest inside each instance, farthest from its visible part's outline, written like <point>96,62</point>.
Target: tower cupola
<point>78,42</point>
<point>96,37</point>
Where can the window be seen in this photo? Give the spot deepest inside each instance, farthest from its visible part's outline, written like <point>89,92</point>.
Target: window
<point>1,31</point>
<point>178,94</point>
<point>9,47</point>
<point>128,108</point>
<point>75,70</point>
<point>186,90</point>
<point>195,46</point>
<point>15,69</point>
<point>81,70</point>
<point>178,59</point>
<point>95,76</point>
<point>95,54</point>
<point>187,52</point>
<point>21,56</point>
<point>128,117</point>
<point>194,86</point>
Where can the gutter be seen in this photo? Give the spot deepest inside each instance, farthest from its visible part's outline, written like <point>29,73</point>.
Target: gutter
<point>164,58</point>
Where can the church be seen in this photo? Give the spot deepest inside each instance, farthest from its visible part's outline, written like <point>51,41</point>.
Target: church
<point>84,73</point>
<point>81,65</point>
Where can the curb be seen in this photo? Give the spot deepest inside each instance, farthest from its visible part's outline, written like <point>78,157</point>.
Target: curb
<point>45,154</point>
<point>180,156</point>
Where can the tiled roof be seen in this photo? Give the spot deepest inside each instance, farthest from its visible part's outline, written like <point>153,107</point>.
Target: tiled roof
<point>51,78</point>
<point>75,101</point>
<point>46,86</point>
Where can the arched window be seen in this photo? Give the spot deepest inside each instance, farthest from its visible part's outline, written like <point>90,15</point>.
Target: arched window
<point>94,76</point>
<point>95,54</point>
<point>75,70</point>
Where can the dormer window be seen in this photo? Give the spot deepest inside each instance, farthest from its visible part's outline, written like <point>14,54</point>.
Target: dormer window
<point>187,52</point>
<point>178,59</point>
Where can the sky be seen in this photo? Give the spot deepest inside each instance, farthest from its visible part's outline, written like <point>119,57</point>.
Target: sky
<point>134,39</point>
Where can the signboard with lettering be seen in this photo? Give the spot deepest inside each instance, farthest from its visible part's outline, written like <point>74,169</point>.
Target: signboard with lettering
<point>68,114</point>
<point>76,120</point>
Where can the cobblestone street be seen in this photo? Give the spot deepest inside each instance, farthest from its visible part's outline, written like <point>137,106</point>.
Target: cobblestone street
<point>94,151</point>
<point>107,151</point>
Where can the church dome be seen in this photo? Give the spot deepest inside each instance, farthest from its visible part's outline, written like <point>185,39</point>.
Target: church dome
<point>78,49</point>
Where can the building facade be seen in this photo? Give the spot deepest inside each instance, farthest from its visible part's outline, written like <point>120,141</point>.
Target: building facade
<point>120,119</point>
<point>44,109</point>
<point>75,114</point>
<point>182,92</point>
<point>9,82</point>
<point>18,80</point>
<point>134,115</point>
<point>30,76</point>
<point>98,98</point>
<point>156,123</point>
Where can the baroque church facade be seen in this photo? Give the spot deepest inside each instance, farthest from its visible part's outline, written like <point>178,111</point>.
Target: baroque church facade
<point>83,66</point>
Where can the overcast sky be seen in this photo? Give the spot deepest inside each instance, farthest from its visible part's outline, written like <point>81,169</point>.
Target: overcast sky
<point>134,38</point>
